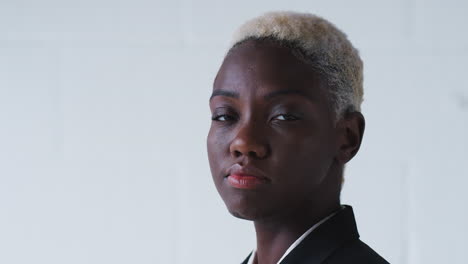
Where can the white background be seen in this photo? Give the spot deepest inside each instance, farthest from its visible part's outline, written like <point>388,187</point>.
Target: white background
<point>104,115</point>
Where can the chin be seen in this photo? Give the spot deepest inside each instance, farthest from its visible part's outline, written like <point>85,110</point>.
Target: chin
<point>248,212</point>
<point>239,215</point>
<point>248,204</point>
<point>251,216</point>
<point>243,214</point>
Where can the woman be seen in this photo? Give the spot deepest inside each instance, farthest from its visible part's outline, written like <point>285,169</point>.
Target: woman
<point>285,119</point>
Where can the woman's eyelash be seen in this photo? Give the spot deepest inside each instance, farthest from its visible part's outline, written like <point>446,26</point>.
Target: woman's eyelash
<point>286,117</point>
<point>283,117</point>
<point>226,117</point>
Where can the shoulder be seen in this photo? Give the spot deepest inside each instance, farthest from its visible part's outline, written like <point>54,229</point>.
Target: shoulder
<point>355,251</point>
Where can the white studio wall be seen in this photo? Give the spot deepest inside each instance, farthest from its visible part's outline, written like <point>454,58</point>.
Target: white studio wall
<point>104,115</point>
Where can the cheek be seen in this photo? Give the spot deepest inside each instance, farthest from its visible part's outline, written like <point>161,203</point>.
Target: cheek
<point>305,159</point>
<point>217,149</point>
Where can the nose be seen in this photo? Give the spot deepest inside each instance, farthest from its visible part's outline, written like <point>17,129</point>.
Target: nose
<point>249,142</point>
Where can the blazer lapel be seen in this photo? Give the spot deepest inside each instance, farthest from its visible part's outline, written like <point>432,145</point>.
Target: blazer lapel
<point>321,243</point>
<point>247,259</point>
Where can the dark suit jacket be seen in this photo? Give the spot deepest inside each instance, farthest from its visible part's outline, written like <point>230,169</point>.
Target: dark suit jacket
<point>336,241</point>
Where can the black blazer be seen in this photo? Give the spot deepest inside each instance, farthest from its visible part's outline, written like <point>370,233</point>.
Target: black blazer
<point>336,241</point>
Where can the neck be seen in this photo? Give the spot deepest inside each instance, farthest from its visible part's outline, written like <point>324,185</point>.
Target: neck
<point>276,235</point>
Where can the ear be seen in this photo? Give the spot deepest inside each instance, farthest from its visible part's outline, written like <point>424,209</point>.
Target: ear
<point>350,132</point>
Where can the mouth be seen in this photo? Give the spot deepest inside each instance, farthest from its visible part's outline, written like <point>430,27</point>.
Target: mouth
<point>246,177</point>
<point>240,181</point>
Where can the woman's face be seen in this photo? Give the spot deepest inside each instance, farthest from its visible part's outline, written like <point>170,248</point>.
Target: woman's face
<point>272,140</point>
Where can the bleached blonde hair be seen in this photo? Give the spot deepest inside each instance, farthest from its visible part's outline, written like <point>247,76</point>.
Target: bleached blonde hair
<point>318,43</point>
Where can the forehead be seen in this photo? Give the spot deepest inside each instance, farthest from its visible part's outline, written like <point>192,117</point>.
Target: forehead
<point>261,67</point>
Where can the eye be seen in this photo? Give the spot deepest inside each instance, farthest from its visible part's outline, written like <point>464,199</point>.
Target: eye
<point>222,118</point>
<point>285,117</point>
<point>225,114</point>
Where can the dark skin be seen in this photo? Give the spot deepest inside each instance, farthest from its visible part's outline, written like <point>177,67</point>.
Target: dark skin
<point>271,112</point>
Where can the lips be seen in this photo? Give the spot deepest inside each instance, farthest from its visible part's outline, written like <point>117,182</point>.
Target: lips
<point>247,177</point>
<point>245,181</point>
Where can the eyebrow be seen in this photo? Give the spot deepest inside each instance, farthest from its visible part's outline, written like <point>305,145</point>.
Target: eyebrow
<point>266,97</point>
<point>224,93</point>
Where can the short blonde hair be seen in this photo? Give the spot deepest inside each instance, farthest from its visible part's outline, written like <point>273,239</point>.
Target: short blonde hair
<point>321,44</point>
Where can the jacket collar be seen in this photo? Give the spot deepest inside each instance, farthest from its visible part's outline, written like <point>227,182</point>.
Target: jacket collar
<point>329,236</point>
<point>321,243</point>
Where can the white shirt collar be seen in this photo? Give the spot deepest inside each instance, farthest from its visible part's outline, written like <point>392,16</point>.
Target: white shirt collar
<point>299,240</point>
